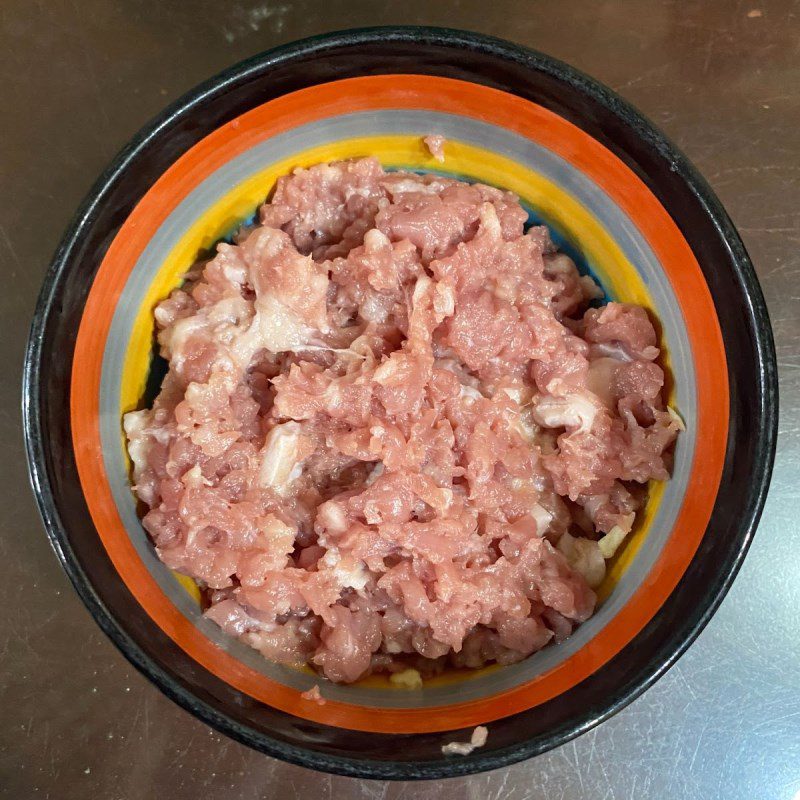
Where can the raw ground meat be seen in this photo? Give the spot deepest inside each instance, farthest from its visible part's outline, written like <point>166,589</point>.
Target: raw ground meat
<point>435,145</point>
<point>476,740</point>
<point>314,695</point>
<point>393,435</point>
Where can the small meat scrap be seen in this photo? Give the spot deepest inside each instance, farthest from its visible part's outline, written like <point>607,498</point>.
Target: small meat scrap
<point>407,679</point>
<point>314,695</point>
<point>435,145</point>
<point>478,739</point>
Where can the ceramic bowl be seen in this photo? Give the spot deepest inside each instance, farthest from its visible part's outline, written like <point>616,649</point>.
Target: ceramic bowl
<point>617,196</point>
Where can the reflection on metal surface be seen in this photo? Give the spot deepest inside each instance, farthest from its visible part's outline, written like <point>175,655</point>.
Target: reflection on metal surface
<point>78,721</point>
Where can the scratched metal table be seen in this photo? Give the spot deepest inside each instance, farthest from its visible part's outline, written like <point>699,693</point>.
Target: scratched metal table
<point>79,78</point>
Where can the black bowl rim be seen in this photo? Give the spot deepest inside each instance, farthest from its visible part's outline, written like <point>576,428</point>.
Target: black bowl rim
<point>756,317</point>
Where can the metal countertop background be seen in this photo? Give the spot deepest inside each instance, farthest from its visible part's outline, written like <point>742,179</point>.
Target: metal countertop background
<point>80,78</point>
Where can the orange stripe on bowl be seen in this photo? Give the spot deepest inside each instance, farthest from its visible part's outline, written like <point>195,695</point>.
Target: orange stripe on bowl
<point>498,108</point>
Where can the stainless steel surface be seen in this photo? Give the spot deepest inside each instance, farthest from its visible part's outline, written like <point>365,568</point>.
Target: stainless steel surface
<point>721,78</point>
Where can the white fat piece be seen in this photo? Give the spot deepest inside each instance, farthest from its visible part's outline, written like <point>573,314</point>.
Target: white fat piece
<point>135,424</point>
<point>585,557</point>
<point>444,301</point>
<point>350,574</point>
<point>421,288</point>
<point>280,536</point>
<point>375,241</point>
<point>193,478</point>
<point>224,321</point>
<point>526,427</point>
<point>174,338</point>
<point>407,679</point>
<point>558,264</point>
<point>575,411</point>
<point>279,328</point>
<point>543,518</point>
<point>235,268</point>
<point>332,520</point>
<point>453,365</point>
<point>478,739</point>
<point>523,421</point>
<point>590,287</point>
<point>384,372</point>
<point>609,350</point>
<point>469,393</point>
<point>489,221</point>
<point>237,620</point>
<point>676,418</point>
<point>407,185</point>
<point>229,311</point>
<point>376,472</point>
<point>275,326</point>
<point>376,308</point>
<point>516,393</point>
<point>280,463</point>
<point>357,191</point>
<point>612,541</point>
<point>390,371</point>
<point>593,504</point>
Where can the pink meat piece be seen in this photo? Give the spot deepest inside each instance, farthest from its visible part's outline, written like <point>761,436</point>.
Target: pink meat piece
<point>385,405</point>
<point>436,214</point>
<point>327,208</point>
<point>622,324</point>
<point>435,144</point>
<point>314,695</point>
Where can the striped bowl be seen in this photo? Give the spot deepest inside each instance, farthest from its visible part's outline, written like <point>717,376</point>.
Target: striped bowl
<point>618,198</point>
